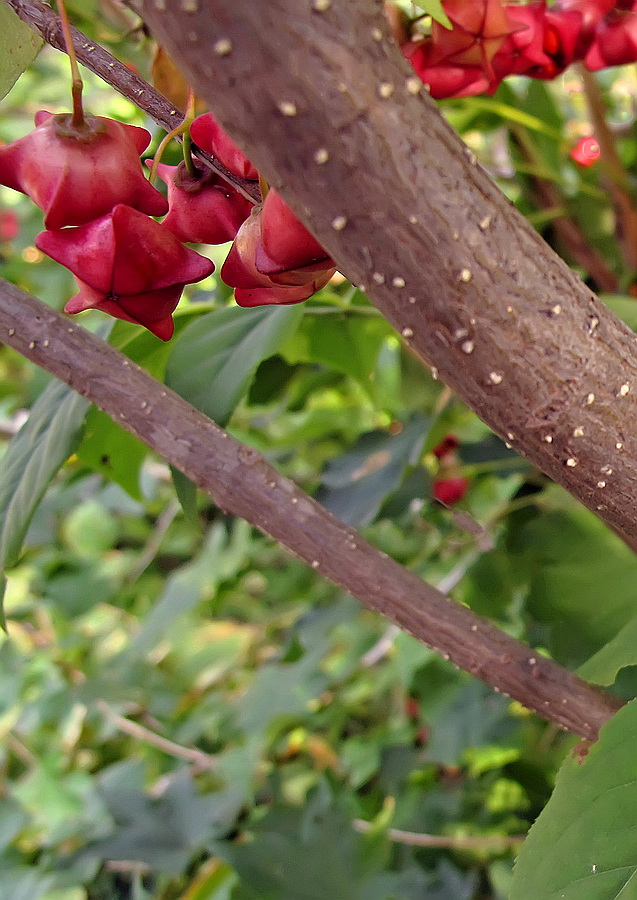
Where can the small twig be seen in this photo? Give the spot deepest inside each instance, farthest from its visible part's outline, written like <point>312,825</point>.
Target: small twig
<point>566,229</point>
<point>618,180</point>
<point>200,759</point>
<point>127,866</point>
<point>43,20</point>
<point>155,541</point>
<point>20,750</point>
<point>450,842</point>
<point>381,648</point>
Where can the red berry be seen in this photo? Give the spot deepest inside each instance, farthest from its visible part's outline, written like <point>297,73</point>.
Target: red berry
<point>586,151</point>
<point>76,175</point>
<point>451,490</point>
<point>127,265</point>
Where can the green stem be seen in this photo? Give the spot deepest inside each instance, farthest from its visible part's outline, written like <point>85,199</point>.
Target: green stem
<point>184,129</point>
<point>187,140</point>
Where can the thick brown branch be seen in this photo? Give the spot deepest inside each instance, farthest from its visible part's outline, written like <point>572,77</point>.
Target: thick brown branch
<point>323,103</point>
<point>240,480</point>
<point>43,20</point>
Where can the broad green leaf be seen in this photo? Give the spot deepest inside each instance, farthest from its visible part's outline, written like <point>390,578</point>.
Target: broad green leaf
<point>349,344</point>
<point>163,831</point>
<point>91,529</point>
<point>433,8</point>
<point>356,484</point>
<point>24,883</point>
<point>144,348</point>
<point>13,817</point>
<point>113,452</point>
<point>214,360</point>
<point>445,882</point>
<point>19,46</point>
<point>74,586</point>
<point>307,854</point>
<point>32,459</point>
<point>582,581</point>
<point>623,307</point>
<point>582,847</point>
<point>602,668</point>
<point>475,716</point>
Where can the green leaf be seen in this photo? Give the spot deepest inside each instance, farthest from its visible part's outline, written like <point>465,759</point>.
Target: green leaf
<point>475,716</point>
<point>113,452</point>
<point>582,581</point>
<point>433,8</point>
<point>349,344</point>
<point>287,689</point>
<point>214,360</point>
<point>623,307</point>
<point>582,847</point>
<point>602,668</point>
<point>163,831</point>
<point>221,557</point>
<point>356,483</point>
<point>308,854</point>
<point>19,46</point>
<point>32,459</point>
<point>24,883</point>
<point>13,817</point>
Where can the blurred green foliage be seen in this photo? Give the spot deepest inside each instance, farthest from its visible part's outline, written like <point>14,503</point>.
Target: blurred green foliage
<point>187,713</point>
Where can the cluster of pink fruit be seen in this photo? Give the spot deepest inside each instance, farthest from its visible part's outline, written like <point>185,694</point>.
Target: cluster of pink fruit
<point>491,39</point>
<point>98,204</point>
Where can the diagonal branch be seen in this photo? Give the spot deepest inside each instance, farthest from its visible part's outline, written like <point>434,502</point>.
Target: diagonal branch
<point>240,481</point>
<point>325,106</point>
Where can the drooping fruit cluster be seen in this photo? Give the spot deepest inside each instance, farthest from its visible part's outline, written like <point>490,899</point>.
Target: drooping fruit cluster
<point>98,205</point>
<point>491,39</point>
<point>88,179</point>
<point>449,486</point>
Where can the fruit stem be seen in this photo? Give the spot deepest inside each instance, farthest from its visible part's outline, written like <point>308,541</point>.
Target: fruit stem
<point>182,128</point>
<point>77,85</point>
<point>188,120</point>
<point>264,187</point>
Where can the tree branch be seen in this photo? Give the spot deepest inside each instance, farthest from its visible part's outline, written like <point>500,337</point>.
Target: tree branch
<point>240,481</point>
<point>325,106</point>
<point>43,20</point>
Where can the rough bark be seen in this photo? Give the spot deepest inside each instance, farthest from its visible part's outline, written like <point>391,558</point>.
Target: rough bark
<point>321,100</point>
<point>240,481</point>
